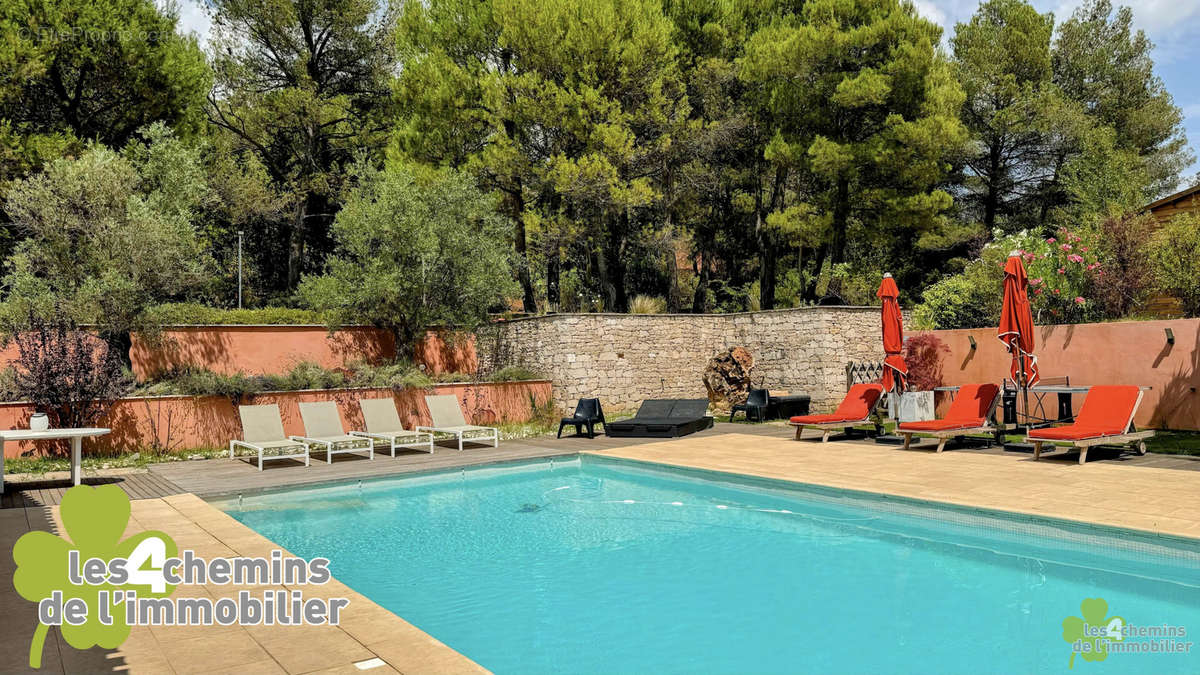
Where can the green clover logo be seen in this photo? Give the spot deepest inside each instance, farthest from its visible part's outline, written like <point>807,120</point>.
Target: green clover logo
<point>94,518</point>
<point>1086,630</point>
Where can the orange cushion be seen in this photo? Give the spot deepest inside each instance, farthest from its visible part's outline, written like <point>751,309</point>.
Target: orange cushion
<point>1071,432</point>
<point>972,402</point>
<point>859,401</point>
<point>1108,408</point>
<point>941,425</point>
<point>823,419</point>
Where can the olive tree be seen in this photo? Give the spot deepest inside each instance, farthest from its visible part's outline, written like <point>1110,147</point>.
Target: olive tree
<point>413,251</point>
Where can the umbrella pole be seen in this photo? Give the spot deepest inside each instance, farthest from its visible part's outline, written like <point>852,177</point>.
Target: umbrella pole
<point>1025,392</point>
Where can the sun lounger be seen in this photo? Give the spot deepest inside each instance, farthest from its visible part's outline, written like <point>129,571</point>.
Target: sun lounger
<point>262,431</point>
<point>1106,418</point>
<point>664,418</point>
<point>857,408</point>
<point>971,412</point>
<point>323,427</point>
<point>383,424</point>
<point>448,418</point>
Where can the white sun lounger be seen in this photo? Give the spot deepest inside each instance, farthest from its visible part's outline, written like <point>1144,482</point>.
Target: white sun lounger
<point>262,431</point>
<point>383,424</point>
<point>323,426</point>
<point>448,419</point>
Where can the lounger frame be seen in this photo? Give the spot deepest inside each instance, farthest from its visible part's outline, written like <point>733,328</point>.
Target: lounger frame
<point>424,440</point>
<point>829,427</point>
<point>259,449</point>
<point>944,435</point>
<point>265,424</point>
<point>1131,436</point>
<point>331,449</point>
<point>459,432</point>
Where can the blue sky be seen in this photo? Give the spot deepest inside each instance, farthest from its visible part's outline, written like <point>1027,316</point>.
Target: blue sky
<point>1173,26</point>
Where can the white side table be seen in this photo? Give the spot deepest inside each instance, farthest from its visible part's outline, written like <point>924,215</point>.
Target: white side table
<point>76,436</point>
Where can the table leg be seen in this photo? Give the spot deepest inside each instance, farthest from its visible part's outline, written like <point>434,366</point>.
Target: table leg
<point>76,451</point>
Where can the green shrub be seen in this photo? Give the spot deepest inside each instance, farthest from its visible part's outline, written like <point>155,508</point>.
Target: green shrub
<point>305,375</point>
<point>967,300</point>
<point>201,382</point>
<point>647,304</point>
<point>514,374</point>
<point>185,313</point>
<point>1175,259</point>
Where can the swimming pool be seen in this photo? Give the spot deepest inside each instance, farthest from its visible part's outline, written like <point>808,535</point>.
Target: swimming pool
<point>595,565</point>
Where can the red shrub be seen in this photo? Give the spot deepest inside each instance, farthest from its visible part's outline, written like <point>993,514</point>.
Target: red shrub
<point>923,353</point>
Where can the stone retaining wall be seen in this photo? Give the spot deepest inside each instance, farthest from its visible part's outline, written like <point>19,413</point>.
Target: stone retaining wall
<point>626,358</point>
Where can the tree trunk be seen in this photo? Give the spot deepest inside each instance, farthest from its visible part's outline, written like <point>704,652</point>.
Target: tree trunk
<point>841,220</point>
<point>614,252</point>
<point>700,297</point>
<point>991,201</point>
<point>295,260</point>
<point>810,290</point>
<point>553,267</point>
<point>529,300</point>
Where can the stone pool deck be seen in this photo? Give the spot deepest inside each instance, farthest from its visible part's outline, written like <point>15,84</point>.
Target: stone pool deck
<point>1156,493</point>
<point>1160,500</point>
<point>366,632</point>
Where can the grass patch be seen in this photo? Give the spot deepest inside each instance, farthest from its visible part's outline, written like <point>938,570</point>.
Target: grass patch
<point>43,464</point>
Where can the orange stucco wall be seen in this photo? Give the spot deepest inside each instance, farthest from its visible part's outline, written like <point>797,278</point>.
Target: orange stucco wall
<point>182,422</point>
<point>1128,352</point>
<point>263,350</point>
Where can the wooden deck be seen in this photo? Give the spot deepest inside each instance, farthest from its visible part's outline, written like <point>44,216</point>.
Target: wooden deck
<point>140,485</point>
<point>218,477</point>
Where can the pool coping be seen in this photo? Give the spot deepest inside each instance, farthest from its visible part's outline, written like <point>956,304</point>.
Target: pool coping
<point>846,482</point>
<point>773,483</point>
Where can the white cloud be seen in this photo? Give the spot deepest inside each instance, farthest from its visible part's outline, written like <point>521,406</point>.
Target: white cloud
<point>193,19</point>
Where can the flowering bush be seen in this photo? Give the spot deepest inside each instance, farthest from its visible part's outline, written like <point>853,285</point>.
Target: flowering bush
<point>1064,271</point>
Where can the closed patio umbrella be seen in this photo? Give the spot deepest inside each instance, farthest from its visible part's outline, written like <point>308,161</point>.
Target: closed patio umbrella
<point>1016,326</point>
<point>895,371</point>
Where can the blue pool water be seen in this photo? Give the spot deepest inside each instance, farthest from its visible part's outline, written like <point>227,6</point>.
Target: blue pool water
<point>601,566</point>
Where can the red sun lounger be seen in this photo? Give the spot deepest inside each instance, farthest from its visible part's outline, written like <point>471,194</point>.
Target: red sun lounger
<point>1106,418</point>
<point>969,413</point>
<point>855,409</point>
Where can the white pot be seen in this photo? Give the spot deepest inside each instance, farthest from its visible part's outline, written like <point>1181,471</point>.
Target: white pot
<point>39,422</point>
<point>911,406</point>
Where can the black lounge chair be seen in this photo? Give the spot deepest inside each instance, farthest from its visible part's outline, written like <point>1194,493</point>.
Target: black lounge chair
<point>587,414</point>
<point>755,406</point>
<point>664,418</point>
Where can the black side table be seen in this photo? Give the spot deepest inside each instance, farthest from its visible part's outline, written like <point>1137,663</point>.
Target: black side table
<point>786,407</point>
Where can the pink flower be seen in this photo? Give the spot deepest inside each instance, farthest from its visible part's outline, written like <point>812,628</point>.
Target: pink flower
<point>1051,240</point>
<point>1093,266</point>
<point>1065,247</point>
<point>1056,291</point>
<point>1061,271</point>
<point>1079,300</point>
<point>1035,282</point>
<point>1083,248</point>
<point>1037,291</point>
<point>1075,258</point>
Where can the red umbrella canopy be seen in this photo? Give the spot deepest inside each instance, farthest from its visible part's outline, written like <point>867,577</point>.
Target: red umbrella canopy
<point>1016,322</point>
<point>895,370</point>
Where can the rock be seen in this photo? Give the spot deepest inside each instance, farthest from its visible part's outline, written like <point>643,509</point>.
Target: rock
<point>727,377</point>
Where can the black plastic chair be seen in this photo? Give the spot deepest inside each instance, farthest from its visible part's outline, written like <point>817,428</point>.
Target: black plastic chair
<point>755,406</point>
<point>587,414</point>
